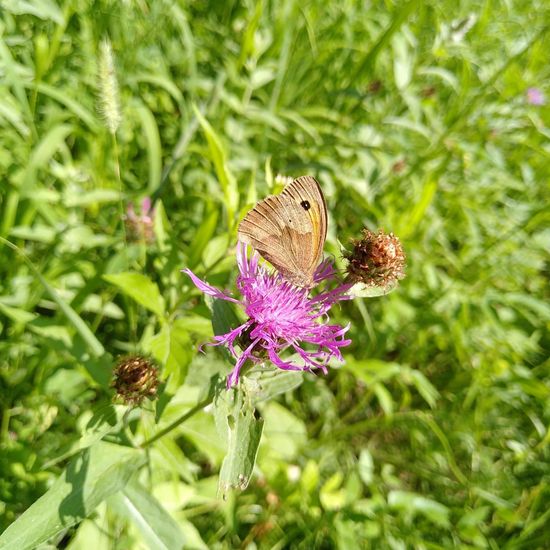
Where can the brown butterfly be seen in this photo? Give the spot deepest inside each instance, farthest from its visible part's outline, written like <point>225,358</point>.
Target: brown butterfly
<point>289,230</point>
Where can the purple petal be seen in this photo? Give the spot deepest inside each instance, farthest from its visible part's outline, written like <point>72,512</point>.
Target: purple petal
<point>146,206</point>
<point>207,289</point>
<point>285,365</point>
<point>535,96</point>
<point>325,270</point>
<point>233,378</point>
<point>230,337</point>
<point>330,297</point>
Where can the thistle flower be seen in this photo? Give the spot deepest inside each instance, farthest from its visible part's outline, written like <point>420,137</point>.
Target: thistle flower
<point>141,226</point>
<point>281,318</point>
<point>377,260</point>
<point>535,96</point>
<point>135,378</point>
<point>109,103</point>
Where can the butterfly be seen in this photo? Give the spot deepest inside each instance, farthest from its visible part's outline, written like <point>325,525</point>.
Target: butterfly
<point>289,230</point>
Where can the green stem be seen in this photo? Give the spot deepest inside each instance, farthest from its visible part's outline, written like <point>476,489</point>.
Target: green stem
<point>120,190</point>
<point>198,407</point>
<point>6,414</point>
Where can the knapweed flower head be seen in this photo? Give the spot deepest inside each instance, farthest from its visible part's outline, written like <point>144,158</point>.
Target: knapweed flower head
<point>140,226</point>
<point>535,96</point>
<point>377,260</point>
<point>135,378</point>
<point>282,318</point>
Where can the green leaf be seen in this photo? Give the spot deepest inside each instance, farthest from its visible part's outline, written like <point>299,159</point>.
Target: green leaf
<point>218,156</point>
<point>154,151</point>
<point>92,533</point>
<point>172,347</point>
<point>39,232</point>
<point>197,324</point>
<point>360,290</point>
<point>402,62</point>
<point>224,317</point>
<point>202,237</point>
<point>384,398</point>
<point>309,477</point>
<point>157,527</point>
<point>71,104</point>
<point>162,227</point>
<point>240,424</point>
<point>413,126</point>
<point>201,430</point>
<point>162,82</point>
<point>332,497</point>
<point>42,154</point>
<point>11,112</point>
<point>285,433</point>
<point>75,196</point>
<point>425,387</point>
<point>107,419</point>
<point>264,384</point>
<point>374,370</point>
<point>17,315</point>
<point>366,467</point>
<point>215,250</point>
<point>412,503</point>
<point>96,347</point>
<point>44,9</point>
<point>141,289</point>
<point>89,479</point>
<point>418,212</point>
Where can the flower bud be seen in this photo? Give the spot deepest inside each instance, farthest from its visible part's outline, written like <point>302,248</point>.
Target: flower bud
<point>141,226</point>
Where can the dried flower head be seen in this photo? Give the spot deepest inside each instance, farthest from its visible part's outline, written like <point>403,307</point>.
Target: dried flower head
<point>375,86</point>
<point>140,227</point>
<point>109,103</point>
<point>135,378</point>
<point>399,166</point>
<point>377,260</point>
<point>281,318</point>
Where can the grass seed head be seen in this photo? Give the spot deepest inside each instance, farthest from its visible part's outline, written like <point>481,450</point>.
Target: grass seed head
<point>109,100</point>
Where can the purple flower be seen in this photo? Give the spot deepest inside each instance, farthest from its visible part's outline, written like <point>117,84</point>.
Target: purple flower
<point>141,226</point>
<point>281,317</point>
<point>535,96</point>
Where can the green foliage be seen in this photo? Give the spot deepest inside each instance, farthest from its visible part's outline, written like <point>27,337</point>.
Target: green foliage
<point>414,118</point>
<point>99,472</point>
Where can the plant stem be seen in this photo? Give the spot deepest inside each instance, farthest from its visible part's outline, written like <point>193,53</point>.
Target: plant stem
<point>198,407</point>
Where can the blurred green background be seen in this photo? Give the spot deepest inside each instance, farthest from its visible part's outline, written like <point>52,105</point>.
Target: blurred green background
<point>415,118</point>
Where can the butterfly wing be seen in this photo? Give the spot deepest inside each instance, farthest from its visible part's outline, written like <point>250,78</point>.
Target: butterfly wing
<point>289,230</point>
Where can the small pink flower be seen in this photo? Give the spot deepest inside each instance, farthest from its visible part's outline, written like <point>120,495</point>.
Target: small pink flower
<point>535,96</point>
<point>281,317</point>
<point>141,226</point>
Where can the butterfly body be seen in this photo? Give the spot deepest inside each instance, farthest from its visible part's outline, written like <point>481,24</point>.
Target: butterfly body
<point>289,230</point>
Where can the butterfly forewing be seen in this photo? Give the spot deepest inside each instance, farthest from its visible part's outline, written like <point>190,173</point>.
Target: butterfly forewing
<point>289,230</point>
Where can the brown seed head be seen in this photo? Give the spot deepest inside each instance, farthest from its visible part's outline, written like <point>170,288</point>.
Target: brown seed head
<point>377,260</point>
<point>135,378</point>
